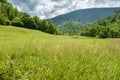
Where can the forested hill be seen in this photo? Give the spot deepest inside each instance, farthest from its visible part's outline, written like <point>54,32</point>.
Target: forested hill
<point>105,28</point>
<point>73,27</point>
<point>11,16</point>
<point>93,14</point>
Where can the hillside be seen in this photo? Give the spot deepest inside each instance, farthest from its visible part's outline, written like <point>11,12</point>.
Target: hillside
<point>11,16</point>
<point>105,28</point>
<point>73,27</point>
<point>93,14</point>
<point>33,55</point>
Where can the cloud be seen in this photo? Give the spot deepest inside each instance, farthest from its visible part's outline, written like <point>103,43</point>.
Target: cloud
<point>51,8</point>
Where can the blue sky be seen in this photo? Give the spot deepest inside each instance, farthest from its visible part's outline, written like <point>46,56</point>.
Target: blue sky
<point>51,8</point>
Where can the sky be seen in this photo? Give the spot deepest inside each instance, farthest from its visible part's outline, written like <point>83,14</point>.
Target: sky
<point>46,9</point>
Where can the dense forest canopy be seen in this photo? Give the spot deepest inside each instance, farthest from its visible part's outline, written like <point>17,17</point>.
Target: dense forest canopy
<point>105,28</point>
<point>11,16</point>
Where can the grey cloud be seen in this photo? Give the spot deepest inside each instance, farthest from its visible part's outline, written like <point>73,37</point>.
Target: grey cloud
<point>52,8</point>
<point>57,0</point>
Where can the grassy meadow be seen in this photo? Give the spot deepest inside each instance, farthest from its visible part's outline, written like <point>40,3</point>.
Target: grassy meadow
<point>33,55</point>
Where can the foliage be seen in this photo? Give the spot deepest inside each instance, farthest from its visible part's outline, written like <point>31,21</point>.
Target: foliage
<point>7,69</point>
<point>72,27</point>
<point>105,28</point>
<point>11,16</point>
<point>17,22</point>
<point>4,20</point>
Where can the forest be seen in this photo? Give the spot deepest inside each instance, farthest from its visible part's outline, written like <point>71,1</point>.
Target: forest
<point>104,28</point>
<point>108,27</point>
<point>11,16</point>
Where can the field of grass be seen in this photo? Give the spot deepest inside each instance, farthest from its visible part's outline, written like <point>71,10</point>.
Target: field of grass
<point>33,55</point>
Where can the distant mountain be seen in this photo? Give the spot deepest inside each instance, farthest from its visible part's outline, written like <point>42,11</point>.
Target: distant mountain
<point>92,14</point>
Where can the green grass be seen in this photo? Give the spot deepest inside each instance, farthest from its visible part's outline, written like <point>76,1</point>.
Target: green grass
<point>33,55</point>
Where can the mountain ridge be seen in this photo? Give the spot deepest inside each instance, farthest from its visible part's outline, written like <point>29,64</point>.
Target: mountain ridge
<point>91,14</point>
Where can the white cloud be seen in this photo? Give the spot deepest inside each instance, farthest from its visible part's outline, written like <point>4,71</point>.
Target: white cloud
<point>52,8</point>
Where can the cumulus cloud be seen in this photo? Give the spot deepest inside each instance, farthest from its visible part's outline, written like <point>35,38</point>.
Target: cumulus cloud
<point>51,8</point>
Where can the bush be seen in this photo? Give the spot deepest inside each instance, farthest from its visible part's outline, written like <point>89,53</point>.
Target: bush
<point>17,22</point>
<point>4,21</point>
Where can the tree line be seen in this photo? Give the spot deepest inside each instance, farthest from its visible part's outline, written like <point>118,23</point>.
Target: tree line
<point>11,16</point>
<point>105,28</point>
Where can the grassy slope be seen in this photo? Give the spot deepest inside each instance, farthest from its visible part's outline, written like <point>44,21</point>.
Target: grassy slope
<point>30,54</point>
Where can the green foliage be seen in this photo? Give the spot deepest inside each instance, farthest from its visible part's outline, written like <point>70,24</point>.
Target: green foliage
<point>17,22</point>
<point>4,20</point>
<point>11,16</point>
<point>72,27</point>
<point>105,28</point>
<point>28,22</point>
<point>4,1</point>
<point>8,71</point>
<point>52,28</point>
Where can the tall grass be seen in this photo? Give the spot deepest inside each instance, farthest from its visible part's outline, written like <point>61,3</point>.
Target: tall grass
<point>40,56</point>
